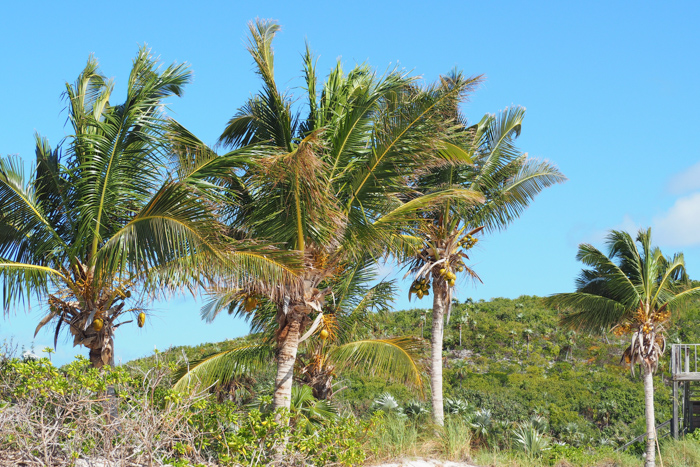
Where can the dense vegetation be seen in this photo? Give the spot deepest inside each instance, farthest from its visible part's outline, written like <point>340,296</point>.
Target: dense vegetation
<point>518,387</point>
<point>285,229</point>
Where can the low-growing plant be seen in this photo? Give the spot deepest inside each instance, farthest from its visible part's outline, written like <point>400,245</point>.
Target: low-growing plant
<point>530,440</point>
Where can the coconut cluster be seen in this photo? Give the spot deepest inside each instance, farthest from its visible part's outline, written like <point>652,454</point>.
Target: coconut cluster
<point>449,276</point>
<point>467,241</point>
<point>420,287</point>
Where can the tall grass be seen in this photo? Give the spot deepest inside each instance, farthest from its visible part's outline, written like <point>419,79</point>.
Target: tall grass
<point>401,437</point>
<point>681,453</point>
<point>455,439</point>
<point>396,437</point>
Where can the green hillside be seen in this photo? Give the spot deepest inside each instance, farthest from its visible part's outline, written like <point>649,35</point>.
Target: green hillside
<point>514,363</point>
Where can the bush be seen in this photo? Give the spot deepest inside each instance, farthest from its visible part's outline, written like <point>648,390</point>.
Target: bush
<point>117,416</point>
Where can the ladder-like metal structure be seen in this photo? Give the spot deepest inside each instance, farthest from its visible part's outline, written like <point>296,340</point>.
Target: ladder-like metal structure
<point>684,370</point>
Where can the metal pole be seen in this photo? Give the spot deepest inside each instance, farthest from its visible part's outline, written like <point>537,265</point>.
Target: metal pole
<point>687,418</point>
<point>674,423</point>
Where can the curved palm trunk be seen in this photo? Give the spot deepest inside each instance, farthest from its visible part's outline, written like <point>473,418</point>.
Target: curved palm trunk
<point>441,304</point>
<point>285,365</point>
<point>651,419</point>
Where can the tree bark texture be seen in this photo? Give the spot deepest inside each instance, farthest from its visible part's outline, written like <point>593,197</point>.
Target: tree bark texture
<point>651,419</point>
<point>441,303</point>
<point>285,366</point>
<point>102,355</point>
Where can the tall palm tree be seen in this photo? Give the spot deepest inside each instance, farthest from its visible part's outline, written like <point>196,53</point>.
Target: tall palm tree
<point>508,181</point>
<point>632,290</point>
<point>329,183</point>
<point>100,217</point>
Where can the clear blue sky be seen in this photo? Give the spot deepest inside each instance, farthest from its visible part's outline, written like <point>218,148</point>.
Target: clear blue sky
<point>611,91</point>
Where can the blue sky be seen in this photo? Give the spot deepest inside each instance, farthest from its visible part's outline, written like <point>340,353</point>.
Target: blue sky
<point>610,90</point>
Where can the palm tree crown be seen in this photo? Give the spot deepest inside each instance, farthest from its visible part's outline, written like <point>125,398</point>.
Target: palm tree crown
<point>629,291</point>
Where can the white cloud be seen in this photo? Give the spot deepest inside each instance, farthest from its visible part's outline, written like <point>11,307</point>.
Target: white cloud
<point>686,181</point>
<point>680,226</point>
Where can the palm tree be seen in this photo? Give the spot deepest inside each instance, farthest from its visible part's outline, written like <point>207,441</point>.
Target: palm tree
<point>460,368</point>
<point>329,184</point>
<point>100,217</point>
<point>632,290</point>
<point>462,321</point>
<point>508,181</point>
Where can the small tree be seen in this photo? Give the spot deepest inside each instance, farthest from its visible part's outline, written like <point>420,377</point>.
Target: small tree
<point>462,321</point>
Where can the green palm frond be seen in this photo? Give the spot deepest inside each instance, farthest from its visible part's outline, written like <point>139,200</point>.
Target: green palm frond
<point>222,367</point>
<point>267,116</point>
<point>406,213</point>
<point>173,225</point>
<point>23,220</point>
<point>511,198</point>
<point>681,297</point>
<point>633,285</point>
<point>592,313</point>
<point>618,283</point>
<point>52,186</point>
<point>315,411</point>
<point>393,358</point>
<point>21,281</point>
<point>498,144</point>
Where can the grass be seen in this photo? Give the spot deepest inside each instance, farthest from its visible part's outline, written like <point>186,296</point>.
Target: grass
<point>400,438</point>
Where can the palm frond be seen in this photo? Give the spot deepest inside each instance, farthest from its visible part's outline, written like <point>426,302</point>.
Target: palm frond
<point>591,313</point>
<point>267,116</point>
<point>508,201</point>
<point>394,358</point>
<point>22,281</point>
<point>222,367</point>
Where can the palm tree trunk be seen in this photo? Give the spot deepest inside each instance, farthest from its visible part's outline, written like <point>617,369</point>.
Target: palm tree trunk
<point>285,365</point>
<point>651,419</point>
<point>441,303</point>
<point>96,354</point>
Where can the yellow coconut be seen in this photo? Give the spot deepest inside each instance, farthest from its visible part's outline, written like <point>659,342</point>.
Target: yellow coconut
<point>97,324</point>
<point>141,320</point>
